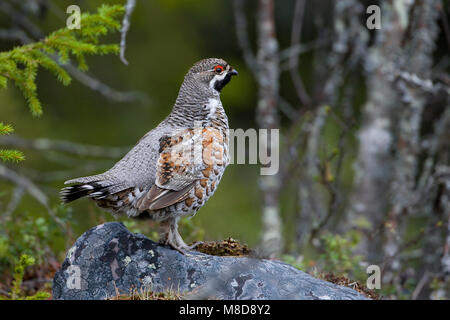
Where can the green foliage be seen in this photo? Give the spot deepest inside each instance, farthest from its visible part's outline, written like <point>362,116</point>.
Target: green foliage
<point>338,257</point>
<point>34,239</point>
<point>19,271</point>
<point>21,64</point>
<point>33,235</point>
<point>191,231</point>
<point>293,261</point>
<point>9,155</point>
<point>5,129</point>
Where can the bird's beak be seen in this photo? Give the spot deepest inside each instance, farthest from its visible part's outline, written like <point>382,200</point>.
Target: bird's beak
<point>233,72</point>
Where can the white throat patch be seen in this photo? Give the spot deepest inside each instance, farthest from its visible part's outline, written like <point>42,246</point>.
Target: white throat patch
<point>212,105</point>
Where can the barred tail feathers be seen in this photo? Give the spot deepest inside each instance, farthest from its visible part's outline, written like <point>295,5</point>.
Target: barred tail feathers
<point>92,190</point>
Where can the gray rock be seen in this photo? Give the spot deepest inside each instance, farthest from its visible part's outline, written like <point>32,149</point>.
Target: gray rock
<point>109,258</point>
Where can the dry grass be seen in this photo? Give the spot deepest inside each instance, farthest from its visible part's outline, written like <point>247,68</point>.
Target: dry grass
<point>147,294</point>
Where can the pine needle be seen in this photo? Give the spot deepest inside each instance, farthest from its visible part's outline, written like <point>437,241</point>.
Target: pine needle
<point>21,64</point>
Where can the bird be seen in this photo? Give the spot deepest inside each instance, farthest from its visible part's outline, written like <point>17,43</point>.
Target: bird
<point>174,168</point>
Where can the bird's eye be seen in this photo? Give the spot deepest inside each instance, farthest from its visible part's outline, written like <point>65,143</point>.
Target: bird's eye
<point>218,69</point>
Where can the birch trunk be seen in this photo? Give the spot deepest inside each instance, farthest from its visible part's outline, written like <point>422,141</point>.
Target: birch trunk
<point>267,118</point>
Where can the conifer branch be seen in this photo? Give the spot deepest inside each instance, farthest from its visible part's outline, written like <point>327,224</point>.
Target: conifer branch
<point>9,155</point>
<point>20,65</point>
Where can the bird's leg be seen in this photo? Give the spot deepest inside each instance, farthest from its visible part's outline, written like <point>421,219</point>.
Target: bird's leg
<point>179,239</point>
<point>164,230</point>
<point>169,235</point>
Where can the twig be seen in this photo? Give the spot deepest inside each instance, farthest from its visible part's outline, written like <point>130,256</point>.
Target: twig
<point>423,234</point>
<point>25,183</point>
<point>104,89</point>
<point>32,189</point>
<point>85,79</point>
<point>44,144</point>
<point>294,58</point>
<point>45,177</point>
<point>287,109</point>
<point>17,195</point>
<point>299,49</point>
<point>129,8</point>
<point>426,85</point>
<point>420,285</point>
<point>242,36</point>
<point>333,187</point>
<point>26,23</point>
<point>13,34</point>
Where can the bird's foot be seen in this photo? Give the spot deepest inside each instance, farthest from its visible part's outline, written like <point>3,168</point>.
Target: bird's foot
<point>180,247</point>
<point>167,243</point>
<point>169,236</point>
<point>181,250</point>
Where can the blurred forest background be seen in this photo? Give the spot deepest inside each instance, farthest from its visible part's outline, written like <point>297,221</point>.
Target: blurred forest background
<point>364,142</point>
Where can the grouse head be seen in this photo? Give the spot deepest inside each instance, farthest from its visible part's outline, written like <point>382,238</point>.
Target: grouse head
<point>213,72</point>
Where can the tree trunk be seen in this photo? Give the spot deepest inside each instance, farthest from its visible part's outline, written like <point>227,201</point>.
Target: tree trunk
<point>416,58</point>
<point>374,164</point>
<point>267,118</point>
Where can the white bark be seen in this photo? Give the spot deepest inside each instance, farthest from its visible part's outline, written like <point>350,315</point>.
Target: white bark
<point>267,118</point>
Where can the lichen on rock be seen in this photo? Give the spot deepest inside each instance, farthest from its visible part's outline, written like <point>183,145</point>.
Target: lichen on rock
<point>109,261</point>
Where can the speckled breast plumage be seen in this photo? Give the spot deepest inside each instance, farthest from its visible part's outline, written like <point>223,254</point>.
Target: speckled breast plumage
<point>212,149</point>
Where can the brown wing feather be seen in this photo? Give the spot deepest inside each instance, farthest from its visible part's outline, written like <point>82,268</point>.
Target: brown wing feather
<point>178,170</point>
<point>158,198</point>
<point>175,172</point>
